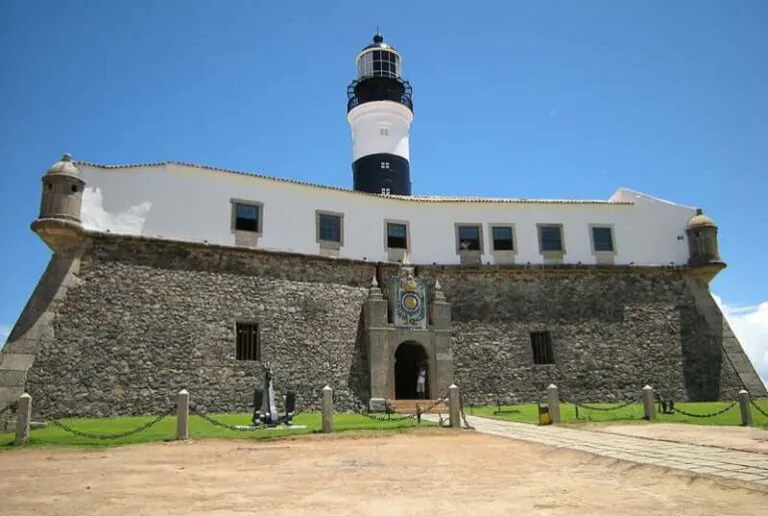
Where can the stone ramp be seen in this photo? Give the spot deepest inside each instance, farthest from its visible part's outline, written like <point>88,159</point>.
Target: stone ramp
<point>732,349</point>
<point>707,460</point>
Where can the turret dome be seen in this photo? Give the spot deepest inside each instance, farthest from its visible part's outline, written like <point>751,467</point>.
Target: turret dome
<point>64,166</point>
<point>700,220</point>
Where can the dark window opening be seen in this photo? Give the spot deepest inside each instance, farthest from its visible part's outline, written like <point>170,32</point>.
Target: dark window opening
<point>248,343</point>
<point>330,227</point>
<point>603,239</point>
<point>74,188</point>
<point>397,236</point>
<point>502,238</point>
<point>551,238</point>
<point>469,238</point>
<point>246,217</point>
<point>541,343</point>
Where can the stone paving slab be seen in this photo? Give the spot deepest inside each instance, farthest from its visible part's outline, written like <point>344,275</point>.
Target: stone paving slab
<point>707,460</point>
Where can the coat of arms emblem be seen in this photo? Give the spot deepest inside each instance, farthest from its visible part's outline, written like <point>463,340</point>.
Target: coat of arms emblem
<point>409,299</point>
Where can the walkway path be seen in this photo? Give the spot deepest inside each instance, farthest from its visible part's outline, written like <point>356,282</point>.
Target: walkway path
<point>740,465</point>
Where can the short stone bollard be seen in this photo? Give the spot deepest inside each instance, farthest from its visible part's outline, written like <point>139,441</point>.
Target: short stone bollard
<point>23,418</point>
<point>327,409</point>
<point>649,408</point>
<point>182,415</point>
<point>746,412</point>
<point>553,400</point>
<point>454,409</point>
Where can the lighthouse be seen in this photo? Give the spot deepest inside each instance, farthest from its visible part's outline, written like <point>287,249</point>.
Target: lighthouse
<point>380,111</point>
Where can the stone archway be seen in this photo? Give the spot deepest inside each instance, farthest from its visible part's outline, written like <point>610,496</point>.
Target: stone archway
<point>409,356</point>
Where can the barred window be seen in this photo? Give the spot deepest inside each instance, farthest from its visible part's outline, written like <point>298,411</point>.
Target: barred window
<point>329,227</point>
<point>502,238</point>
<point>248,345</point>
<point>469,237</point>
<point>551,238</point>
<point>397,235</point>
<point>247,217</point>
<point>541,343</point>
<point>603,238</point>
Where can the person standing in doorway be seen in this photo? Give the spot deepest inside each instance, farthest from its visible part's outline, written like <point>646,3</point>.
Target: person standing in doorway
<point>421,383</point>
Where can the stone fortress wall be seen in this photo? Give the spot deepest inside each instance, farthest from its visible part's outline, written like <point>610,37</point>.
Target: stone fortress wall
<point>120,324</point>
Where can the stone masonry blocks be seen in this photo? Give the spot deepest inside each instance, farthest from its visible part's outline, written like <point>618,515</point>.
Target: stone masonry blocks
<point>148,318</point>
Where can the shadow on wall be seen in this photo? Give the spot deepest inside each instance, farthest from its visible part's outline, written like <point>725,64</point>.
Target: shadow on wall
<point>702,356</point>
<point>46,290</point>
<point>359,379</point>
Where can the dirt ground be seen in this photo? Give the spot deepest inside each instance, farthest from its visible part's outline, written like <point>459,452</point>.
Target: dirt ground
<point>420,473</point>
<point>733,437</point>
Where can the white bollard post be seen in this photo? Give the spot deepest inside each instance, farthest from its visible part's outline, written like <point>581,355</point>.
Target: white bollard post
<point>182,415</point>
<point>553,400</point>
<point>23,418</point>
<point>454,414</point>
<point>327,409</point>
<point>746,412</point>
<point>649,408</point>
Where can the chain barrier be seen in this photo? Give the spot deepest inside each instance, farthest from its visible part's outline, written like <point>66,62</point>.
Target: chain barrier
<point>711,414</point>
<point>386,418</point>
<point>9,407</point>
<point>307,405</point>
<point>120,435</point>
<point>388,410</point>
<point>464,416</point>
<point>248,428</point>
<point>759,409</point>
<point>216,422</point>
<point>604,409</point>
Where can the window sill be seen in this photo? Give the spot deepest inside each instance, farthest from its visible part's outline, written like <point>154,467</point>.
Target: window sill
<point>604,257</point>
<point>470,257</point>
<point>396,254</point>
<point>503,257</point>
<point>329,244</point>
<point>246,238</point>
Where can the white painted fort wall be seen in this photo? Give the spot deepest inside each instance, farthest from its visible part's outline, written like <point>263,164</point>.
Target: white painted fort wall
<point>190,203</point>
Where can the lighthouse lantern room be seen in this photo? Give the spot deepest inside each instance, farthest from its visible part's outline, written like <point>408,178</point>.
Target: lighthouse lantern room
<point>380,111</point>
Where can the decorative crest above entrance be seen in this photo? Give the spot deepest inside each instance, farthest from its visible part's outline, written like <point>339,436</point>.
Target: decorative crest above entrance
<point>408,299</point>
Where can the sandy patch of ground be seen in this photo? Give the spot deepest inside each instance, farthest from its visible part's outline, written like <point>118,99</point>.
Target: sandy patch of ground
<point>732,437</point>
<point>421,473</point>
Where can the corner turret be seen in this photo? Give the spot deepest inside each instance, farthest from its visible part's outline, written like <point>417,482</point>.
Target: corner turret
<point>59,221</point>
<point>702,246</point>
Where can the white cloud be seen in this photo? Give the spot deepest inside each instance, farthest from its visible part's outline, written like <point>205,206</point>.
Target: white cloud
<point>750,324</point>
<point>4,332</point>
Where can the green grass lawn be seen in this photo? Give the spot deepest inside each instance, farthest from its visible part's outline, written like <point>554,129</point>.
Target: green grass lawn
<point>198,429</point>
<point>529,414</point>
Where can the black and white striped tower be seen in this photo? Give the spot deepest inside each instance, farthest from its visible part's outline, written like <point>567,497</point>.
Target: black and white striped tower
<point>380,111</point>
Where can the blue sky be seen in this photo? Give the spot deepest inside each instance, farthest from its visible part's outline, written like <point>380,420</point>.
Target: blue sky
<point>564,99</point>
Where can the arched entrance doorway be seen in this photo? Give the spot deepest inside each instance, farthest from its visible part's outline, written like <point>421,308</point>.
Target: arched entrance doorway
<point>409,357</point>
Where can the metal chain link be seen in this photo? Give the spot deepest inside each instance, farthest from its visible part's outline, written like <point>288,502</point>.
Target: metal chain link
<point>711,414</point>
<point>216,422</point>
<point>387,418</point>
<point>605,409</point>
<point>464,416</point>
<point>248,428</point>
<point>128,433</point>
<point>754,404</point>
<point>307,405</point>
